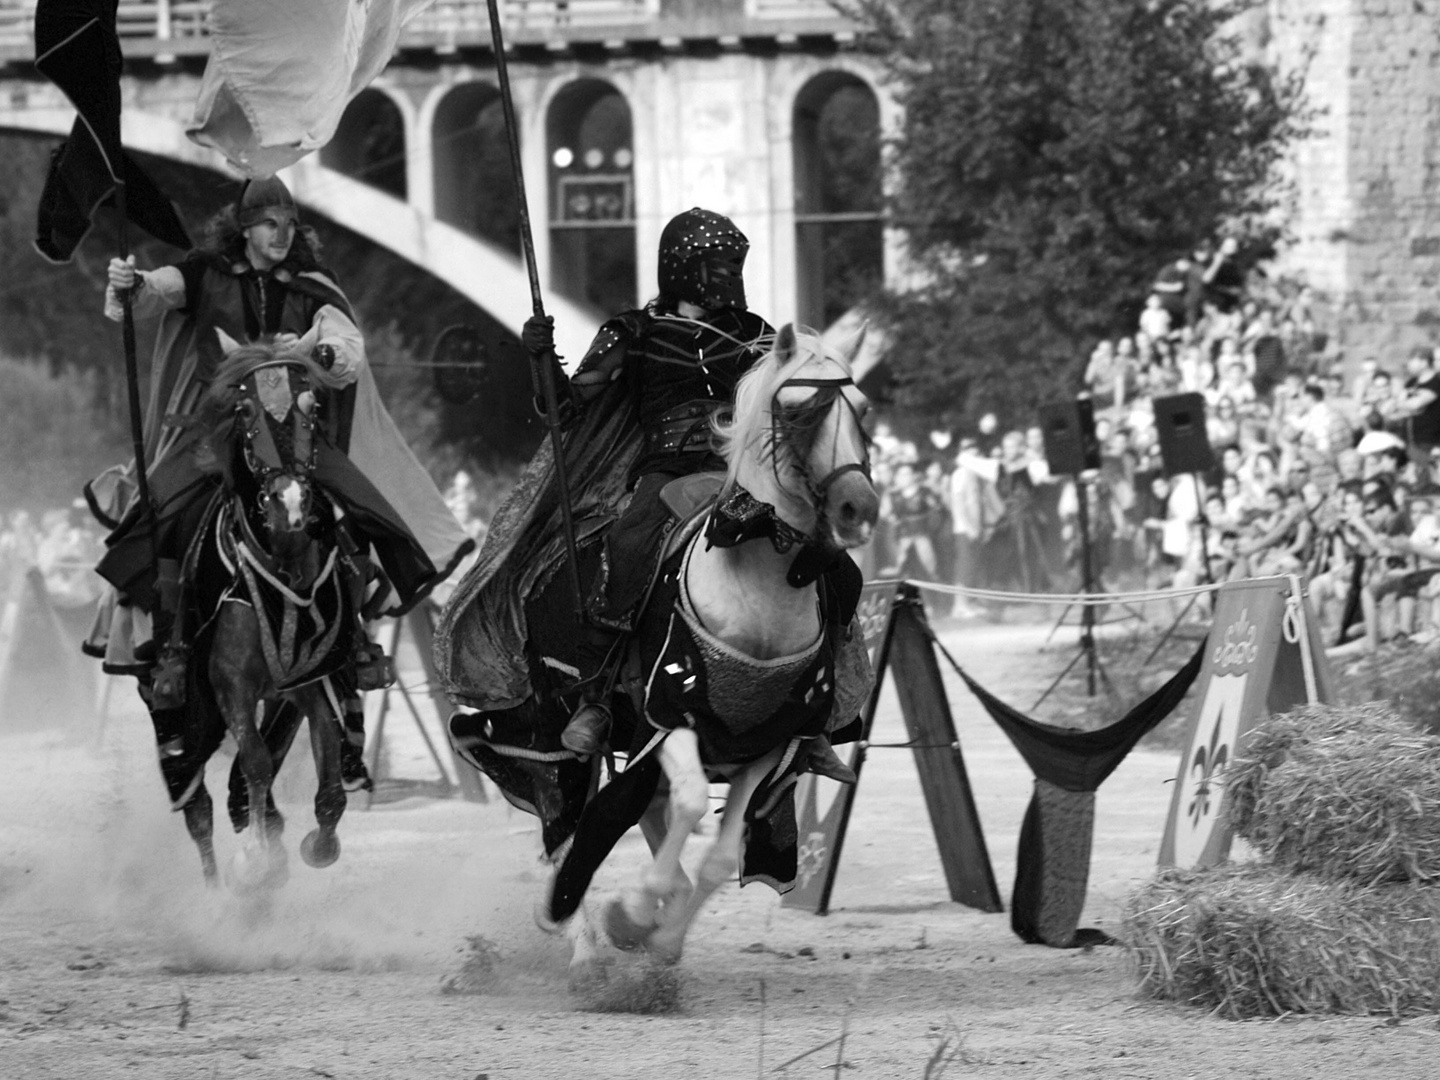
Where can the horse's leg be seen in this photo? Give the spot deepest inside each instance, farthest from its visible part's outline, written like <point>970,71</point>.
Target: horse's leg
<point>278,728</point>
<point>200,821</point>
<point>631,920</point>
<point>321,846</point>
<point>239,676</point>
<point>718,866</point>
<point>587,972</point>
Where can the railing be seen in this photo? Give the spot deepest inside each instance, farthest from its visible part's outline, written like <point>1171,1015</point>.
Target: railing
<point>185,21</point>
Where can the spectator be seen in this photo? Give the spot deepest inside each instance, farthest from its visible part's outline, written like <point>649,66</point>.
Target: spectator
<point>1421,403</point>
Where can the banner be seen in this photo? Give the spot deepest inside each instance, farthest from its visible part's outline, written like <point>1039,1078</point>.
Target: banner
<point>1264,656</point>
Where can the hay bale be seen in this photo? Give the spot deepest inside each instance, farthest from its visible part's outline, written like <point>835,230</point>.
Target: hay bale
<point>1250,941</point>
<point>1343,792</point>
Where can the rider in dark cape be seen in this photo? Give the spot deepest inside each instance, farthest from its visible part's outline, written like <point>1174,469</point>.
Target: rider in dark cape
<point>258,277</point>
<point>640,406</point>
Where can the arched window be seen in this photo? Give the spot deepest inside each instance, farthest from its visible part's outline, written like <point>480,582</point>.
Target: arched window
<point>839,238</point>
<point>369,144</point>
<point>592,204</point>
<point>474,184</point>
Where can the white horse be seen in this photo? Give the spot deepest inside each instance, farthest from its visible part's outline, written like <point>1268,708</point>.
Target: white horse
<point>795,443</point>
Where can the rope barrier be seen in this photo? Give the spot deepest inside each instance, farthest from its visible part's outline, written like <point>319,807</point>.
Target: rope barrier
<point>1093,599</point>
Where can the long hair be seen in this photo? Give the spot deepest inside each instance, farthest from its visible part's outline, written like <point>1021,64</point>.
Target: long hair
<point>749,427</point>
<point>225,240</point>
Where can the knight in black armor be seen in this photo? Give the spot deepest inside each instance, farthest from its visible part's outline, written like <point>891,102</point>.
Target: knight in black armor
<point>681,356</point>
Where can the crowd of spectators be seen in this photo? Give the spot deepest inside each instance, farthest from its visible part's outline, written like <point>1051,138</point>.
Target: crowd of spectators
<point>63,543</point>
<point>1324,467</point>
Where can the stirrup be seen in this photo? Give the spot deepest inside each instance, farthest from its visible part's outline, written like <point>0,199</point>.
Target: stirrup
<point>373,669</point>
<point>587,730</point>
<point>167,686</point>
<point>354,776</point>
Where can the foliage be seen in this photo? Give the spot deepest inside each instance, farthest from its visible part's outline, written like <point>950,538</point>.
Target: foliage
<point>1054,154</point>
<point>52,440</point>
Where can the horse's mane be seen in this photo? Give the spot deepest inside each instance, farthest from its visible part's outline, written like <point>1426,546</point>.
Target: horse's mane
<point>214,416</point>
<point>749,424</point>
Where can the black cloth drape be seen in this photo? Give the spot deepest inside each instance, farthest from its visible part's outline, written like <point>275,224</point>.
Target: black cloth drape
<point>1052,866</point>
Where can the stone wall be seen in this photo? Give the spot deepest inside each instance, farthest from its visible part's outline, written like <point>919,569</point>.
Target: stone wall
<point>1366,230</point>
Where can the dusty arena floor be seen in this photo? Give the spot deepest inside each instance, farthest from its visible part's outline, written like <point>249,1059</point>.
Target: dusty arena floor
<point>115,962</point>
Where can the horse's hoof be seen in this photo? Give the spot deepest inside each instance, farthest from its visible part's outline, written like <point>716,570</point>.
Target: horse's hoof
<point>624,932</point>
<point>662,950</point>
<point>589,977</point>
<point>254,870</point>
<point>541,911</point>
<point>319,849</point>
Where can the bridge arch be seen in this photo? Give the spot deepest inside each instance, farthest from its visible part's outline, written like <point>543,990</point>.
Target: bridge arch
<point>590,167</point>
<point>474,185</point>
<point>372,140</point>
<point>839,230</point>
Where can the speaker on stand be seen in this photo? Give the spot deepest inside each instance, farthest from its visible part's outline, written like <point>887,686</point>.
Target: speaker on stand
<point>1185,448</point>
<point>1071,449</point>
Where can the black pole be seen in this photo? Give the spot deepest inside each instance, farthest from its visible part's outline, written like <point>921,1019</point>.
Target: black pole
<point>542,367</point>
<point>1087,584</point>
<point>1204,529</point>
<point>132,373</point>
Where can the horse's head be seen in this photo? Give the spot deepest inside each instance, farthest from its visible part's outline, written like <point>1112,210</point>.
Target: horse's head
<point>261,413</point>
<point>795,439</point>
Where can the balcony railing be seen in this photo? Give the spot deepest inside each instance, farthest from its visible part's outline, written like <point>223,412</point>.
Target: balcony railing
<point>157,27</point>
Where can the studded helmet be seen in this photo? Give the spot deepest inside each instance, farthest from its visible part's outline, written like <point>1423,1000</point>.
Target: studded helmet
<point>259,196</point>
<point>702,260</point>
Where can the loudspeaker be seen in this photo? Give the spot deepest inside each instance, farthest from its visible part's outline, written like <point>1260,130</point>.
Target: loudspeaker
<point>1069,431</point>
<point>1184,442</point>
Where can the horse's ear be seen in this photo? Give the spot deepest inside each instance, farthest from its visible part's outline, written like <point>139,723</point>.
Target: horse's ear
<point>785,343</point>
<point>227,343</point>
<point>854,351</point>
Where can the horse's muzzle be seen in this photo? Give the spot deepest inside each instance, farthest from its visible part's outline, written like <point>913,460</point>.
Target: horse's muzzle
<point>852,507</point>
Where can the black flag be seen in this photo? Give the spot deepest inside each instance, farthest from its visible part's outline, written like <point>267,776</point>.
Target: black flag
<point>77,48</point>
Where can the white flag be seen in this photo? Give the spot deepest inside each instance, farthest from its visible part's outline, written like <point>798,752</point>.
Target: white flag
<point>282,71</point>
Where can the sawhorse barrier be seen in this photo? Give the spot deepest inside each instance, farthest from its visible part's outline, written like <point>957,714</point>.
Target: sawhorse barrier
<point>1264,637</point>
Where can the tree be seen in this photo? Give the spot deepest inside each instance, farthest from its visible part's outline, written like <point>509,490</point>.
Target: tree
<point>1054,154</point>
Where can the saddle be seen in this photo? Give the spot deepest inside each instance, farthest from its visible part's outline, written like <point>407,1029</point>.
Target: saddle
<point>572,661</point>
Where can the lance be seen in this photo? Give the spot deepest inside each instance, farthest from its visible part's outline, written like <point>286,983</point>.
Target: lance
<point>542,365</point>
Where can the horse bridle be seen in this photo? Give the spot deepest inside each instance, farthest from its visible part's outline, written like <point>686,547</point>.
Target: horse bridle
<point>813,411</point>
<point>262,456</point>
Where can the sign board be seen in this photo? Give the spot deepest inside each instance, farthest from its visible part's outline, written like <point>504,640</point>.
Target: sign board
<point>904,644</point>
<point>1264,656</point>
<point>600,198</point>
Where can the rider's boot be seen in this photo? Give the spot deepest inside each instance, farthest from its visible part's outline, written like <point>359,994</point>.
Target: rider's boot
<point>822,760</point>
<point>588,728</point>
<point>373,669</point>
<point>354,776</point>
<point>169,721</point>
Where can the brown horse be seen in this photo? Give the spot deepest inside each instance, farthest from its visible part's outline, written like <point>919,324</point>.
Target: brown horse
<point>271,589</point>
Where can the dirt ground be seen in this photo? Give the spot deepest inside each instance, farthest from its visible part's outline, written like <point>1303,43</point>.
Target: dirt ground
<point>116,962</point>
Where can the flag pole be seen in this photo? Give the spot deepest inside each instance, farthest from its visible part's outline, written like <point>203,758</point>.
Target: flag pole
<point>132,366</point>
<point>132,378</point>
<point>542,366</point>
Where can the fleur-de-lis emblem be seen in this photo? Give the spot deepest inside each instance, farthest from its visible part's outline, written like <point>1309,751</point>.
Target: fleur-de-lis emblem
<point>811,857</point>
<point>1208,762</point>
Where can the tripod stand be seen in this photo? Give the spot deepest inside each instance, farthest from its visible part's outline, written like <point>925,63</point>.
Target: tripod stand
<point>1093,668</point>
<point>1204,523</point>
